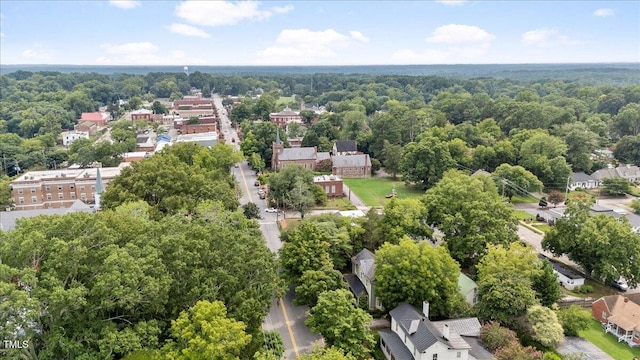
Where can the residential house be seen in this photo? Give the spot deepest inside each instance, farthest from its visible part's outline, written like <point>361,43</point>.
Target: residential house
<point>68,137</point>
<point>468,289</point>
<point>332,185</point>
<point>98,118</point>
<point>630,173</point>
<point>345,147</point>
<point>285,117</point>
<point>350,166</point>
<point>620,316</point>
<point>552,215</point>
<point>567,278</point>
<point>362,280</point>
<point>414,337</point>
<point>87,126</point>
<point>583,181</point>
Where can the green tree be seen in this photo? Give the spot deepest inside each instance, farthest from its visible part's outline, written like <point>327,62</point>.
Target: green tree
<point>555,197</point>
<point>251,210</point>
<point>404,217</point>
<point>256,162</point>
<point>583,238</point>
<point>158,108</point>
<point>628,150</point>
<point>416,272</point>
<point>515,351</point>
<point>391,156</point>
<point>627,121</point>
<point>505,286</point>
<point>329,353</point>
<point>205,332</point>
<point>341,324</point>
<point>474,217</point>
<point>574,319</point>
<point>426,161</point>
<point>545,326</point>
<point>546,285</point>
<point>315,282</point>
<point>515,180</point>
<point>615,186</point>
<point>303,250</point>
<point>494,336</point>
<point>292,188</point>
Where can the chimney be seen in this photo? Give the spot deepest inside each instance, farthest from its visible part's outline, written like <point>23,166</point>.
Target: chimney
<point>445,332</point>
<point>425,309</point>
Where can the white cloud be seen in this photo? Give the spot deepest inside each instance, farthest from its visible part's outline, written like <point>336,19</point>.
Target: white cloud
<point>125,4</point>
<point>130,48</point>
<point>218,13</point>
<point>304,46</point>
<point>35,54</point>
<point>451,2</point>
<point>457,34</point>
<point>187,30</point>
<point>604,12</point>
<point>357,35</point>
<point>539,37</point>
<point>282,9</point>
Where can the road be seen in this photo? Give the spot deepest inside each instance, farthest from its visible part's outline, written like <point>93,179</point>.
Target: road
<point>283,316</point>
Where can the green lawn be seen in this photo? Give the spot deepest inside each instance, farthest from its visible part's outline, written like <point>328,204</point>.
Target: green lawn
<point>607,342</point>
<point>599,290</point>
<point>284,100</point>
<point>542,227</point>
<point>522,215</point>
<point>373,190</point>
<point>520,199</point>
<point>341,204</point>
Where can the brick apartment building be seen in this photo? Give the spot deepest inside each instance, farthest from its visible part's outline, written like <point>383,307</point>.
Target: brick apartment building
<point>58,188</point>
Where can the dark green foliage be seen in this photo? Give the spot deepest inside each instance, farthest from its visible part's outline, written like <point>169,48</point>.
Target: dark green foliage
<point>546,285</point>
<point>574,319</point>
<point>251,211</point>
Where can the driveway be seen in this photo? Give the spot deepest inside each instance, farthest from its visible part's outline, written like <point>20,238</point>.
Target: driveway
<point>589,351</point>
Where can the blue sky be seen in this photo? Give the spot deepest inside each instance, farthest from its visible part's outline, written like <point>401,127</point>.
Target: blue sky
<point>318,32</point>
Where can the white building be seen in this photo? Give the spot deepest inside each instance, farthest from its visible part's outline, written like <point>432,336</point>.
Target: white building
<point>68,137</point>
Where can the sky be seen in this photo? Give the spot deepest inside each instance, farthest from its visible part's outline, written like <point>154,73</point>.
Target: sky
<point>110,32</point>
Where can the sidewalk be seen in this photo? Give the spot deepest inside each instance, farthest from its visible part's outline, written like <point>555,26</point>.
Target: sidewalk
<point>354,199</point>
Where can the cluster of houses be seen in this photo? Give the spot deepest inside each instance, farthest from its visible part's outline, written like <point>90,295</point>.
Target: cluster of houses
<point>580,180</point>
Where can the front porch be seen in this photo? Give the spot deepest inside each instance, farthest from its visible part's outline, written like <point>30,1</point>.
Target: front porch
<point>621,334</point>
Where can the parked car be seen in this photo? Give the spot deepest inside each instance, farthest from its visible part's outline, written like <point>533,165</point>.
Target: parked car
<point>620,285</point>
<point>271,210</point>
<point>262,196</point>
<point>237,165</point>
<point>256,183</point>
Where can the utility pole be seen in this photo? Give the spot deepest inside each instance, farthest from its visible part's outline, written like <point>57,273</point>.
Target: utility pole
<point>566,192</point>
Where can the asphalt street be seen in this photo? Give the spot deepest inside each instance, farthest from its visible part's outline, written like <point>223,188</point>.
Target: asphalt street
<point>283,316</point>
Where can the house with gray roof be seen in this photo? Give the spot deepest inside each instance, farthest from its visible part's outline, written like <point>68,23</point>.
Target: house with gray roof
<point>628,172</point>
<point>414,337</point>
<point>351,166</point>
<point>345,147</point>
<point>583,181</point>
<point>362,280</point>
<point>9,219</point>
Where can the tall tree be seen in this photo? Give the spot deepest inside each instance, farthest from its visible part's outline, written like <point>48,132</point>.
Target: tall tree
<point>315,282</point>
<point>205,332</point>
<point>545,326</point>
<point>424,162</point>
<point>515,180</point>
<point>342,324</point>
<point>615,186</point>
<point>404,217</point>
<point>391,156</point>
<point>292,188</point>
<point>416,272</point>
<point>474,217</point>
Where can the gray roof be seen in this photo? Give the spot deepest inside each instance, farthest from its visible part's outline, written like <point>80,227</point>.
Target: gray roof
<point>367,261</point>
<point>566,272</point>
<point>363,255</point>
<point>356,286</point>
<point>323,156</point>
<point>398,349</point>
<point>426,334</point>
<point>477,351</point>
<point>628,171</point>
<point>301,153</point>
<point>464,326</point>
<point>581,176</point>
<point>346,145</point>
<point>342,161</point>
<point>8,219</point>
<point>605,174</point>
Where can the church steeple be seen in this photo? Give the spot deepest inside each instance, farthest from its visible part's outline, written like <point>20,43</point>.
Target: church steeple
<point>99,189</point>
<point>278,141</point>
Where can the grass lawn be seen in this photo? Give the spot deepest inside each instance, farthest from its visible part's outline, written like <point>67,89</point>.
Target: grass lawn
<point>284,100</point>
<point>341,204</point>
<point>607,342</point>
<point>542,227</point>
<point>520,199</point>
<point>373,190</point>
<point>599,290</point>
<point>522,215</point>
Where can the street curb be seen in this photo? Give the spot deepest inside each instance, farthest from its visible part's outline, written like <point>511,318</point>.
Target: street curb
<point>537,231</point>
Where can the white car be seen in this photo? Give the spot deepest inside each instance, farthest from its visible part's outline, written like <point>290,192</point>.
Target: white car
<point>271,210</point>
<point>621,285</point>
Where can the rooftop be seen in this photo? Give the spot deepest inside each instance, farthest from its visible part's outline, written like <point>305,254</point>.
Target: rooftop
<point>323,178</point>
<point>301,153</point>
<point>8,219</point>
<point>360,160</point>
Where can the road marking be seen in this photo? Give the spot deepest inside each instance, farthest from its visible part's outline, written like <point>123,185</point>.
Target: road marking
<point>286,320</point>
<point>284,309</point>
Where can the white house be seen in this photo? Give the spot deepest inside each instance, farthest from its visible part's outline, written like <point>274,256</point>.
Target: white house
<point>414,337</point>
<point>582,180</point>
<point>68,137</point>
<point>362,280</point>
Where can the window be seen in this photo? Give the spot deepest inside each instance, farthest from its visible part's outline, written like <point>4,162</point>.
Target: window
<point>93,187</point>
<point>83,196</point>
<point>72,195</point>
<point>33,190</point>
<point>81,187</point>
<point>604,314</point>
<point>48,188</point>
<point>48,196</point>
<point>459,354</point>
<point>60,196</point>
<point>71,187</point>
<point>20,191</point>
<point>34,199</point>
<point>333,189</point>
<point>59,187</point>
<point>435,356</point>
<point>21,200</point>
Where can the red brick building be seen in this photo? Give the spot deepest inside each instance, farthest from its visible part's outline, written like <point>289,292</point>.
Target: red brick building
<point>285,117</point>
<point>332,185</point>
<point>98,118</point>
<point>620,316</point>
